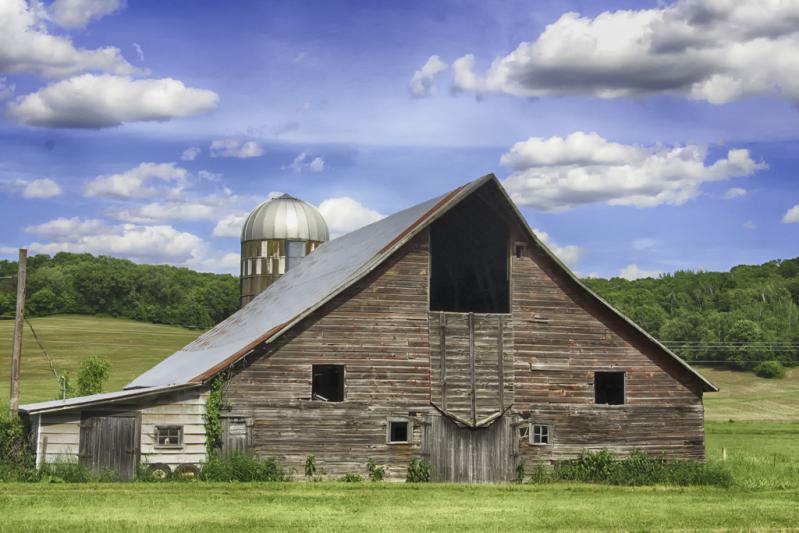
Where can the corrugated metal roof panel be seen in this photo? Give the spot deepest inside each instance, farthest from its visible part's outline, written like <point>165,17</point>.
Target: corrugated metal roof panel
<point>328,269</point>
<point>70,403</point>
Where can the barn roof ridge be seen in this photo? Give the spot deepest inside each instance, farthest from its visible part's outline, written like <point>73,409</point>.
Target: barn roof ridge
<point>330,269</point>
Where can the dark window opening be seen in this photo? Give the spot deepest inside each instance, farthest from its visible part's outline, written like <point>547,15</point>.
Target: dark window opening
<point>540,434</point>
<point>519,250</point>
<point>609,388</point>
<point>328,383</point>
<point>398,431</point>
<point>469,260</point>
<point>169,436</point>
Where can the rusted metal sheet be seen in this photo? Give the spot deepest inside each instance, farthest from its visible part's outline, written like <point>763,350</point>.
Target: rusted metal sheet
<point>334,266</point>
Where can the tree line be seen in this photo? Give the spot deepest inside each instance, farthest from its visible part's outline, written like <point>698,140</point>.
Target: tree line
<point>85,284</point>
<point>742,317</point>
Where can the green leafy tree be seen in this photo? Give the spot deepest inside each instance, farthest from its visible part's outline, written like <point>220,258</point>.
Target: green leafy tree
<point>92,374</point>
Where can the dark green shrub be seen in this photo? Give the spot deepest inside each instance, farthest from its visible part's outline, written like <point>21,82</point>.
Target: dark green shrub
<point>639,469</point>
<point>418,471</point>
<point>770,370</point>
<point>310,467</point>
<point>16,456</point>
<point>351,478</point>
<point>376,473</point>
<point>242,468</point>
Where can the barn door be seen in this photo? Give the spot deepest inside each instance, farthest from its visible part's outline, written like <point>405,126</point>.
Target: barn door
<point>471,366</point>
<point>236,436</point>
<point>109,442</point>
<point>471,455</point>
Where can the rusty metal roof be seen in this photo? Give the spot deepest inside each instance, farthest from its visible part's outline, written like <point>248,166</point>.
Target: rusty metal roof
<point>331,268</point>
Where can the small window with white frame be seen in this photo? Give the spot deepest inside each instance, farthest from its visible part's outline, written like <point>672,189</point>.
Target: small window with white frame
<point>399,431</point>
<point>540,434</point>
<point>169,436</point>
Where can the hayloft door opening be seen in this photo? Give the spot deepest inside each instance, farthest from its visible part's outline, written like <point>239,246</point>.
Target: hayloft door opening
<point>108,443</point>
<point>469,259</point>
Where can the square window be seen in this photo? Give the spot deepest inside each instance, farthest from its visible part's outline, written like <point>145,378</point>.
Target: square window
<point>540,434</point>
<point>328,383</point>
<point>518,249</point>
<point>609,388</point>
<point>399,431</point>
<point>169,436</point>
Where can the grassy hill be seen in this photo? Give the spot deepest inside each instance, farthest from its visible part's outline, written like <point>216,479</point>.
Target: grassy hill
<point>132,347</point>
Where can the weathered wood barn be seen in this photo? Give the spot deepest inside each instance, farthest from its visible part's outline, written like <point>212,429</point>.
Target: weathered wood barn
<point>446,331</point>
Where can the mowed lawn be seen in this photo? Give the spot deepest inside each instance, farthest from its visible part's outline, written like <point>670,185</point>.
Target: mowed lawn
<point>755,420</point>
<point>132,347</point>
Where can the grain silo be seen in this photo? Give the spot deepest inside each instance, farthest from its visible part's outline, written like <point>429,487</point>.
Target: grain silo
<point>275,237</point>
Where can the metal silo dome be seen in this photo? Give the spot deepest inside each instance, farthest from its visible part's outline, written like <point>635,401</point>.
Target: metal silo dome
<point>276,236</point>
<point>285,217</point>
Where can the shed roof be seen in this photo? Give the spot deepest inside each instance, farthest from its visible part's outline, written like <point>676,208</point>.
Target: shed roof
<point>331,268</point>
<point>104,398</point>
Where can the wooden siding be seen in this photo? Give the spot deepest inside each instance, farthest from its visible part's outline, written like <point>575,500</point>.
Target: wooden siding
<point>59,433</point>
<point>560,340</point>
<point>58,438</point>
<point>378,330</point>
<point>473,383</point>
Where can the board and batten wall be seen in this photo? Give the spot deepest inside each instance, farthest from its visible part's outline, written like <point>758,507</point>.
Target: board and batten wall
<point>561,337</point>
<point>378,329</point>
<point>58,434</point>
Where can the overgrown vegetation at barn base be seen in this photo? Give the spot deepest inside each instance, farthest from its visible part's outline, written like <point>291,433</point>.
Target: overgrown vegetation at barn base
<point>242,467</point>
<point>636,470</point>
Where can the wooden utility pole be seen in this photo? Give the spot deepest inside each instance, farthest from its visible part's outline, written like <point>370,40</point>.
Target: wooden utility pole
<point>16,354</point>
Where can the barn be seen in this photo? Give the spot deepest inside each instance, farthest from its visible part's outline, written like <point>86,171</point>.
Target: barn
<point>446,331</point>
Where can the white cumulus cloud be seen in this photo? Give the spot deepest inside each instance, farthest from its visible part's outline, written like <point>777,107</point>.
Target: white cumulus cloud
<point>27,47</point>
<point>235,148</point>
<point>421,84</point>
<point>735,192</point>
<point>792,215</point>
<point>556,174</point>
<point>569,254</point>
<point>101,101</point>
<point>344,214</point>
<point>632,271</point>
<point>78,13</point>
<point>230,226</point>
<point>41,188</point>
<point>712,50</point>
<point>38,188</point>
<point>304,162</point>
<point>190,153</point>
<point>139,182</point>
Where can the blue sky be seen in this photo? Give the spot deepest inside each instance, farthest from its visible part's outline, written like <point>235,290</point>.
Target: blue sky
<point>637,137</point>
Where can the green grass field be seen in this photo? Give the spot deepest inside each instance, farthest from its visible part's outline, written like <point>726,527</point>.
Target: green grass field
<point>755,420</point>
<point>132,347</point>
